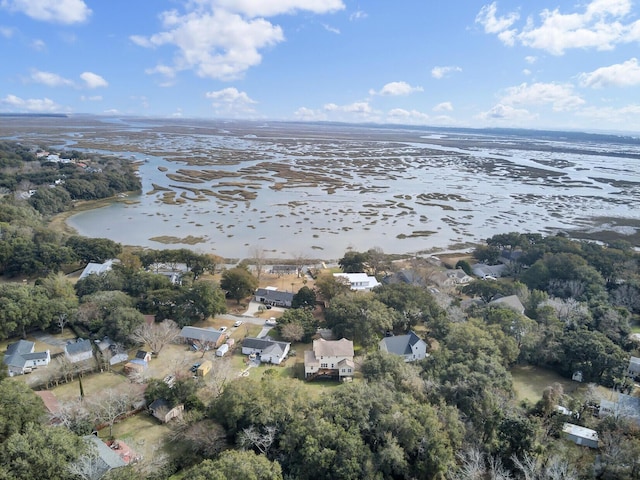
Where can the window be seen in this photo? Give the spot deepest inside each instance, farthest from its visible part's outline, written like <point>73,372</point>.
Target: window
<point>324,365</point>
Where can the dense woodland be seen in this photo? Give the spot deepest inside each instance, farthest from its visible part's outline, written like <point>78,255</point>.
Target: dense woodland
<point>451,416</point>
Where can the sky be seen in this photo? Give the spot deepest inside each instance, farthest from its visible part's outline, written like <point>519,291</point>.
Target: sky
<point>463,63</point>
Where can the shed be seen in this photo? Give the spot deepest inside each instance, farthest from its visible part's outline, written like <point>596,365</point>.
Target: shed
<point>204,368</point>
<point>222,350</point>
<point>163,411</point>
<point>581,435</point>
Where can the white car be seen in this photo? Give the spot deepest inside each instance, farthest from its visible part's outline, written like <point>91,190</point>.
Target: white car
<point>238,323</point>
<point>271,322</point>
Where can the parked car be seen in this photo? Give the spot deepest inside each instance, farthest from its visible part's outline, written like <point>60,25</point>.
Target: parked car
<point>194,367</point>
<point>238,323</point>
<point>271,322</point>
<point>222,329</point>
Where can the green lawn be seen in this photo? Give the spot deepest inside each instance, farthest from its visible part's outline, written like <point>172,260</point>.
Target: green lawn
<point>529,382</point>
<point>93,385</point>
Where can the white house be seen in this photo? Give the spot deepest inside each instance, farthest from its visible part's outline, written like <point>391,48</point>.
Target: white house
<point>269,351</point>
<point>78,351</point>
<point>96,268</point>
<point>359,281</point>
<point>21,357</point>
<point>329,358</point>
<point>411,347</point>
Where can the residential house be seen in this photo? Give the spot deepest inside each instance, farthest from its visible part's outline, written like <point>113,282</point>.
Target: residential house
<point>411,347</point>
<point>174,271</point>
<point>21,358</point>
<point>267,350</point>
<point>634,367</point>
<point>329,359</point>
<point>164,411</point>
<point>487,271</point>
<point>79,350</point>
<point>97,268</point>
<point>273,296</point>
<point>452,278</point>
<point>106,458</point>
<point>410,277</point>
<point>511,301</point>
<point>359,281</point>
<point>284,270</point>
<point>204,336</point>
<point>621,406</point>
<point>580,435</point>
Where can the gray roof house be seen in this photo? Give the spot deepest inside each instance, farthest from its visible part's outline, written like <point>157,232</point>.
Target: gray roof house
<point>625,406</point>
<point>273,296</point>
<point>21,357</point>
<point>269,351</point>
<point>106,459</point>
<point>329,359</point>
<point>411,347</point>
<point>511,301</point>
<point>580,435</point>
<point>203,335</point>
<point>96,268</point>
<point>79,350</point>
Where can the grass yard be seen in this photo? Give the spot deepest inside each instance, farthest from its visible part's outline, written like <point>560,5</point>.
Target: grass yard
<point>93,385</point>
<point>529,382</point>
<point>142,433</point>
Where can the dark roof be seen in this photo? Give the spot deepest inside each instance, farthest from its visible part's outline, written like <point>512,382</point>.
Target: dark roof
<point>18,353</point>
<point>79,346</point>
<point>107,458</point>
<point>274,295</point>
<point>141,354</point>
<point>401,344</point>
<point>261,343</point>
<point>21,346</point>
<point>160,403</point>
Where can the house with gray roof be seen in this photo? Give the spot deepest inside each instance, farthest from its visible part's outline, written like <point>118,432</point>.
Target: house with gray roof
<point>621,406</point>
<point>273,296</point>
<point>267,350</point>
<point>580,435</point>
<point>96,268</point>
<point>329,359</point>
<point>411,347</point>
<point>511,301</point>
<point>208,336</point>
<point>78,351</point>
<point>102,460</point>
<point>21,357</point>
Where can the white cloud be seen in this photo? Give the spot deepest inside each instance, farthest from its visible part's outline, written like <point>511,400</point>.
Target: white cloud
<point>270,8</point>
<point>530,59</point>
<point>443,107</point>
<point>231,101</point>
<point>396,88</point>
<point>93,80</point>
<point>6,32</point>
<point>38,45</point>
<point>358,15</point>
<point>50,79</point>
<point>94,98</point>
<point>526,72</point>
<point>219,45</point>
<point>331,29</point>
<point>407,117</point>
<point>601,25</point>
<point>560,96</point>
<point>627,117</point>
<point>359,108</point>
<point>30,104</point>
<point>493,24</point>
<point>441,72</point>
<point>309,115</point>
<point>508,113</point>
<point>57,11</point>
<point>625,74</point>
<point>222,39</point>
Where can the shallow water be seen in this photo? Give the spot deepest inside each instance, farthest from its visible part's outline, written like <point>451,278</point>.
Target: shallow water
<point>340,187</point>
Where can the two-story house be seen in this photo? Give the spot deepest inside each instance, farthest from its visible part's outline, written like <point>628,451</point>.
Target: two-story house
<point>411,347</point>
<point>329,359</point>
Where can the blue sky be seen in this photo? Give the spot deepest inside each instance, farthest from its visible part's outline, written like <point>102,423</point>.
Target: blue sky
<point>543,64</point>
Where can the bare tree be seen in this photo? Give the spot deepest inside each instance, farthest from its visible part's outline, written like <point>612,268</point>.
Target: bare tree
<point>205,437</point>
<point>262,440</point>
<point>204,345</point>
<point>292,332</point>
<point>156,335</point>
<point>258,257</point>
<point>111,406</point>
<point>73,415</point>
<point>61,321</point>
<point>89,465</point>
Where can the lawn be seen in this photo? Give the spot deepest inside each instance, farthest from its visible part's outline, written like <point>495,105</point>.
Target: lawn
<point>529,382</point>
<point>93,385</point>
